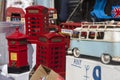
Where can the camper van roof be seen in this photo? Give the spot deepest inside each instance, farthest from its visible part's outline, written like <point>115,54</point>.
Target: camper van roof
<point>101,23</point>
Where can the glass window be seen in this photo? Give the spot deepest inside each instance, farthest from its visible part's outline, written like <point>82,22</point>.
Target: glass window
<point>93,26</point>
<point>83,35</point>
<point>110,26</point>
<point>117,26</point>
<point>15,17</point>
<point>33,18</point>
<point>75,34</point>
<point>85,26</point>
<point>33,26</point>
<point>91,35</point>
<point>100,35</point>
<point>33,22</point>
<point>113,26</point>
<point>101,26</point>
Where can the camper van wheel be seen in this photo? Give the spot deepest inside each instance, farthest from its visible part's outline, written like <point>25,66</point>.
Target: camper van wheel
<point>106,58</point>
<point>76,52</point>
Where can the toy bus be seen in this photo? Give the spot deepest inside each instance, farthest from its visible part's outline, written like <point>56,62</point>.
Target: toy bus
<point>97,39</point>
<point>67,29</point>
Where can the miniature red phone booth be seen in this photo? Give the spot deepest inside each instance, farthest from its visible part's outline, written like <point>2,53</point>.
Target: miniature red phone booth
<point>51,52</point>
<point>36,22</point>
<point>17,46</point>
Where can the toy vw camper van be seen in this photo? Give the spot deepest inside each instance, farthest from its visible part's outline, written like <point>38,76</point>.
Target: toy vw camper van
<point>97,39</point>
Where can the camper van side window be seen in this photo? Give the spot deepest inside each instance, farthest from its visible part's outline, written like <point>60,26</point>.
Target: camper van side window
<point>100,35</point>
<point>83,35</point>
<point>91,35</point>
<point>117,26</point>
<point>110,26</point>
<point>75,34</point>
<point>85,26</point>
<point>101,26</point>
<point>93,26</point>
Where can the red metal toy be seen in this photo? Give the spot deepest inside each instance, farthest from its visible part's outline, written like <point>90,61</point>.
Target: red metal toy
<point>17,43</point>
<point>36,22</point>
<point>15,14</point>
<point>51,52</point>
<point>67,29</point>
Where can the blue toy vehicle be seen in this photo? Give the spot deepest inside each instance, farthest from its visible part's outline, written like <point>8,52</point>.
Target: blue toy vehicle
<point>98,39</point>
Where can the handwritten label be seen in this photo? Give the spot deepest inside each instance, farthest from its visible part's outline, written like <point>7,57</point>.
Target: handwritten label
<point>97,73</point>
<point>77,63</point>
<point>90,71</point>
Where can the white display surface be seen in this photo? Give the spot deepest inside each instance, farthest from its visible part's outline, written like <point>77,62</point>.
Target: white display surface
<point>22,76</point>
<point>32,55</point>
<point>4,69</point>
<point>85,69</point>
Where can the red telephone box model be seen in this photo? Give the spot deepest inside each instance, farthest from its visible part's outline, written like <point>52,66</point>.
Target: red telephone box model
<point>51,52</point>
<point>36,22</point>
<point>17,43</point>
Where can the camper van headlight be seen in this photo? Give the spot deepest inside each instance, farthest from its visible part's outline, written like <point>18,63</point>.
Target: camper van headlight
<point>76,52</point>
<point>69,51</point>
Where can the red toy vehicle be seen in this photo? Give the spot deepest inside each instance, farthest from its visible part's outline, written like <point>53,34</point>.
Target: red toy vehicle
<point>67,30</point>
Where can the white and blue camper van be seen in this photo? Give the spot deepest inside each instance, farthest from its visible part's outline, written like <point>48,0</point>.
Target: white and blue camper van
<point>97,39</point>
